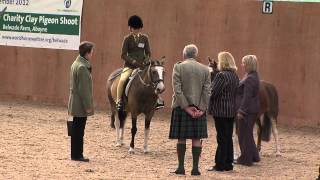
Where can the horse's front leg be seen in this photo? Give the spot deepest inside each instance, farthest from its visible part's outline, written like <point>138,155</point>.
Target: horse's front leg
<point>133,132</point>
<point>275,135</point>
<point>147,131</point>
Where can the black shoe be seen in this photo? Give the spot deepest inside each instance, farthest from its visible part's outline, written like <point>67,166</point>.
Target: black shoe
<point>80,159</point>
<point>195,172</point>
<point>215,168</point>
<point>228,168</point>
<point>256,160</point>
<point>243,163</point>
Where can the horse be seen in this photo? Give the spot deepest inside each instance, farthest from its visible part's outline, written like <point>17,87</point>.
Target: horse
<point>268,113</point>
<point>146,85</point>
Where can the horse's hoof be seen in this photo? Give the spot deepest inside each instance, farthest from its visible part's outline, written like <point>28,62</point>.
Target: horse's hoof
<point>131,150</point>
<point>146,151</point>
<point>278,154</point>
<point>119,144</point>
<point>235,157</point>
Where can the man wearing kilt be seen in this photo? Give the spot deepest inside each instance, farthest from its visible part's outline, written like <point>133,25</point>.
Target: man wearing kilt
<point>191,87</point>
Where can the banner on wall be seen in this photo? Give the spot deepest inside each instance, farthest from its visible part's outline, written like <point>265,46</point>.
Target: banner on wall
<point>52,24</point>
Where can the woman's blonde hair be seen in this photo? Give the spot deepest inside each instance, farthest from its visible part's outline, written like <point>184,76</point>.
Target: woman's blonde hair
<point>250,62</point>
<point>226,62</point>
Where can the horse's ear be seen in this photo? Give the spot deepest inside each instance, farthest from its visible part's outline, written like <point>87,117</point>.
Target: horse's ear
<point>162,60</point>
<point>210,60</point>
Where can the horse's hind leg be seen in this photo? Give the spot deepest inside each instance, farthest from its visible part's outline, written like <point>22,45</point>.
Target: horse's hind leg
<point>113,109</point>
<point>133,133</point>
<point>275,135</point>
<point>113,118</point>
<point>147,131</point>
<point>236,147</point>
<point>120,127</point>
<point>259,132</point>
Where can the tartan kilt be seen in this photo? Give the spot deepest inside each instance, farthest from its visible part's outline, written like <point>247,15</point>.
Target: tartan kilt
<point>183,126</point>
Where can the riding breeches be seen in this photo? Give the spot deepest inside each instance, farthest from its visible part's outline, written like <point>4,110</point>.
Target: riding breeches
<point>126,72</point>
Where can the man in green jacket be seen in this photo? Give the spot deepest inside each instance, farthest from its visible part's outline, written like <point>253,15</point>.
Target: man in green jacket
<point>81,98</point>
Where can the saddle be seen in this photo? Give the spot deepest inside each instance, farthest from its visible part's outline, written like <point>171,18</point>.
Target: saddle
<point>128,83</point>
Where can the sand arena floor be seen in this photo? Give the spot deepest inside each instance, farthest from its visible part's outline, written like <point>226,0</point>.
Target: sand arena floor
<point>34,145</point>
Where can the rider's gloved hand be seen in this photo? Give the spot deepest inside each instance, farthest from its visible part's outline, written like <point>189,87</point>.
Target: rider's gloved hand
<point>146,62</point>
<point>134,62</point>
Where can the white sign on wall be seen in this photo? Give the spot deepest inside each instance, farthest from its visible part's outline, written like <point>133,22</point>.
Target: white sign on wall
<point>41,23</point>
<point>267,7</point>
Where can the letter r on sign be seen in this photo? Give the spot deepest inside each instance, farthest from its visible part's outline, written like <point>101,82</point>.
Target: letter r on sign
<point>267,7</point>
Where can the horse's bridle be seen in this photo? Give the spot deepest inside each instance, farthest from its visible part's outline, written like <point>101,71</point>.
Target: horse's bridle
<point>153,83</point>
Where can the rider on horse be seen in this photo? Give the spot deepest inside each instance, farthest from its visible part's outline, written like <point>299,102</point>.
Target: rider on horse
<point>136,54</point>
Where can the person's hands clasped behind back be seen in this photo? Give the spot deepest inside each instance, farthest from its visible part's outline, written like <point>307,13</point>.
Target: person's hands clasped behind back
<point>194,112</point>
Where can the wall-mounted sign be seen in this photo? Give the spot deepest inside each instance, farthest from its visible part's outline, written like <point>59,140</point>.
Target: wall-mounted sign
<point>267,7</point>
<point>41,24</point>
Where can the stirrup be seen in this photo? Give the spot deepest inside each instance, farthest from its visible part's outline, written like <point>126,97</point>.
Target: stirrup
<point>119,105</point>
<point>159,106</point>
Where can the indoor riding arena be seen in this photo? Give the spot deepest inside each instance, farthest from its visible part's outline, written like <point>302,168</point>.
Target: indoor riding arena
<point>34,84</point>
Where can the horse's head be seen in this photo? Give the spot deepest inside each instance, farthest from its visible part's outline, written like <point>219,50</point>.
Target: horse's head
<point>156,74</point>
<point>213,67</point>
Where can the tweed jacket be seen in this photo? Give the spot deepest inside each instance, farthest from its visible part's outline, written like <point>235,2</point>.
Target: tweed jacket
<point>248,94</point>
<point>81,97</point>
<point>223,94</point>
<point>135,49</point>
<point>191,84</point>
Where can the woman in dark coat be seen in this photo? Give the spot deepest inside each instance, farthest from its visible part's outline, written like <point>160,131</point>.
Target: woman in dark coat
<point>248,103</point>
<point>223,108</point>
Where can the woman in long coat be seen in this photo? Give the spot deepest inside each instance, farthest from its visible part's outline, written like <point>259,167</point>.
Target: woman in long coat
<point>248,103</point>
<point>223,109</point>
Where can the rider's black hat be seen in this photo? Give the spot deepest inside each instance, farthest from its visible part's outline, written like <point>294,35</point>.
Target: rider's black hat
<point>135,22</point>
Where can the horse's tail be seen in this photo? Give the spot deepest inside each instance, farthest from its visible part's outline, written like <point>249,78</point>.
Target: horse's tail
<point>274,101</point>
<point>266,128</point>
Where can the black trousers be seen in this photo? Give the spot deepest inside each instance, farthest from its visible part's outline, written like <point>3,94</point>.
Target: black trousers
<point>249,151</point>
<point>224,152</point>
<point>78,126</point>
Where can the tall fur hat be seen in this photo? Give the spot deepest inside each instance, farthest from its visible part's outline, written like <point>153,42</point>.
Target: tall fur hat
<point>135,22</point>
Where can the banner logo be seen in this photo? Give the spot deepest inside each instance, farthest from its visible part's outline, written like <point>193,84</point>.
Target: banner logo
<point>67,3</point>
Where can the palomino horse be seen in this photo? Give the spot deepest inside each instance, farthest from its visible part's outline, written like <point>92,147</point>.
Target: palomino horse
<point>142,97</point>
<point>269,109</point>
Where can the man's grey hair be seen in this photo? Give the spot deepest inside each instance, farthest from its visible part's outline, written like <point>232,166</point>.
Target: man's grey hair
<point>190,51</point>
